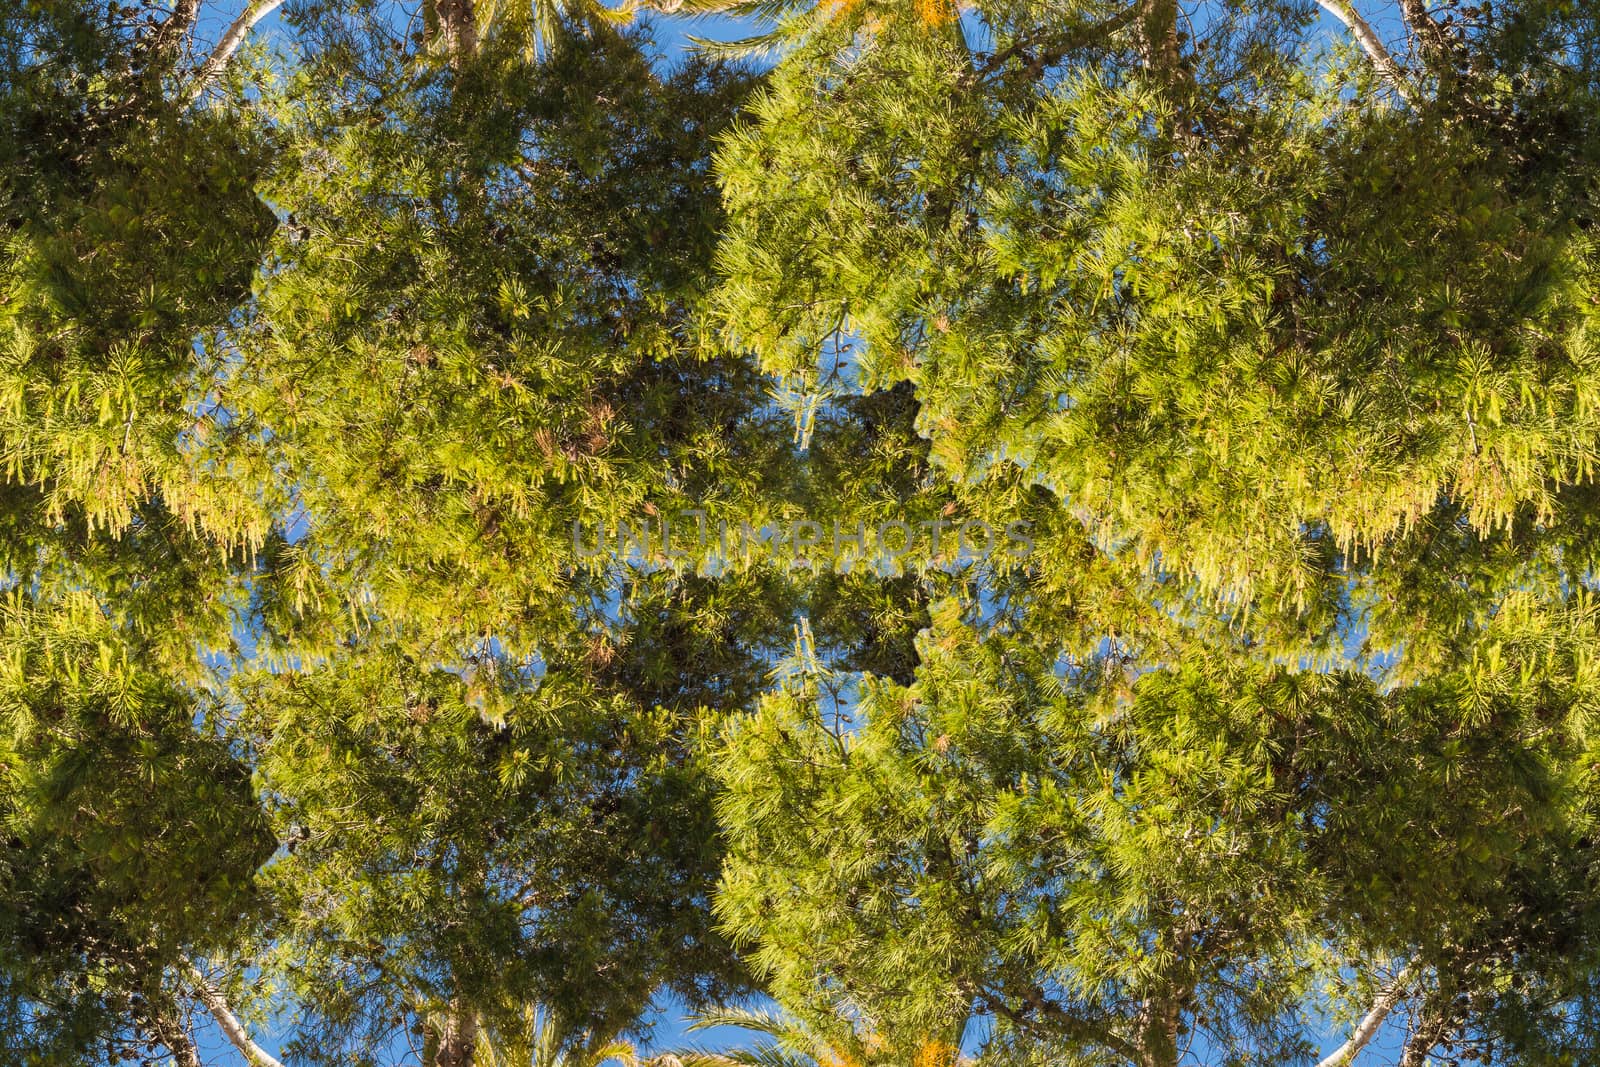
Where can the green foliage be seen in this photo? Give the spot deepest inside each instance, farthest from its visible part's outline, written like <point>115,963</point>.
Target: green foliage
<point>1278,354</point>
<point>434,856</point>
<point>478,330</point>
<point>1265,365</point>
<point>130,833</point>
<point>1295,386</point>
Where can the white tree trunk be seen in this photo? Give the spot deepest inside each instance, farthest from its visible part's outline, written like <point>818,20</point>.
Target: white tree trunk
<point>1388,69</point>
<point>235,35</point>
<point>237,1036</point>
<point>1390,995</point>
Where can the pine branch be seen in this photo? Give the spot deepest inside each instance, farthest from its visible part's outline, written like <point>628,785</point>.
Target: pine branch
<point>1050,45</point>
<point>1436,45</point>
<point>166,40</point>
<point>176,1039</point>
<point>1429,1030</point>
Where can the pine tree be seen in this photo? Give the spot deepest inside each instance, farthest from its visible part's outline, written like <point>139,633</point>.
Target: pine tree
<point>349,393</point>
<point>1287,360</point>
<point>478,343</point>
<point>130,832</point>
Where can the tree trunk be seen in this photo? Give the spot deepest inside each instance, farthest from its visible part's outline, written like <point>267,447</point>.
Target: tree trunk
<point>232,1028</point>
<point>456,23</point>
<point>457,1038</point>
<point>1158,38</point>
<point>1387,68</point>
<point>1389,996</point>
<point>232,38</point>
<point>1161,53</point>
<point>1158,1033</point>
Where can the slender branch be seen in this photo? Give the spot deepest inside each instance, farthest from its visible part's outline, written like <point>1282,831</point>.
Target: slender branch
<point>1388,69</point>
<point>237,1036</point>
<point>1390,995</point>
<point>236,33</point>
<point>1048,46</point>
<point>1075,1026</point>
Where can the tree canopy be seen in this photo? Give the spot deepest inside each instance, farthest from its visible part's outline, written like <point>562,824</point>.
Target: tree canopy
<point>1029,533</point>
